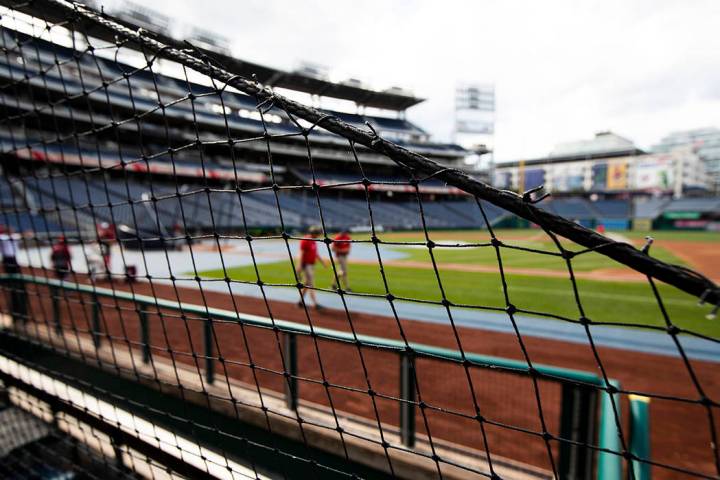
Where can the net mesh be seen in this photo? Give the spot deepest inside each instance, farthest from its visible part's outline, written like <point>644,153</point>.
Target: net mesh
<point>173,226</point>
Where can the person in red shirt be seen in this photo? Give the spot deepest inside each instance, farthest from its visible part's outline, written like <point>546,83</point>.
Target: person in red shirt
<point>341,249</point>
<point>106,237</point>
<point>60,257</point>
<point>306,265</point>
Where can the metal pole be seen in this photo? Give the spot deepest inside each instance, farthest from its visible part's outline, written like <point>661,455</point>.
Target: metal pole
<point>19,301</point>
<point>117,448</point>
<point>577,424</point>
<point>54,295</point>
<point>609,462</point>
<point>291,371</point>
<point>640,435</point>
<point>144,335</point>
<point>209,361</point>
<point>408,400</point>
<point>96,329</point>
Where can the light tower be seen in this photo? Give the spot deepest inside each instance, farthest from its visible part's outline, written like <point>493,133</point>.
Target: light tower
<point>475,121</point>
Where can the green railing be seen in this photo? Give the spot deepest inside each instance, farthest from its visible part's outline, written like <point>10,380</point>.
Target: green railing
<point>579,396</point>
<point>640,436</point>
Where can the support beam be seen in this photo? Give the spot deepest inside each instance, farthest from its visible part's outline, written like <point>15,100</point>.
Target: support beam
<point>291,370</point>
<point>577,424</point>
<point>408,400</point>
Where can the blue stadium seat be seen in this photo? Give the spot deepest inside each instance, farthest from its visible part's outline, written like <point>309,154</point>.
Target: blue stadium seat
<point>612,208</point>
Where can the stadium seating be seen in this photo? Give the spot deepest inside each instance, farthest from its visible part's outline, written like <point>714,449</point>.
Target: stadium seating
<point>169,207</point>
<point>700,205</point>
<point>612,214</point>
<point>164,209</point>
<point>15,214</point>
<point>575,208</point>
<point>326,178</point>
<point>612,208</point>
<point>7,197</point>
<point>649,207</point>
<point>23,222</point>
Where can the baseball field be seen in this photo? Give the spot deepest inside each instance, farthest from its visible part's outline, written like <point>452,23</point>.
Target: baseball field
<point>538,278</point>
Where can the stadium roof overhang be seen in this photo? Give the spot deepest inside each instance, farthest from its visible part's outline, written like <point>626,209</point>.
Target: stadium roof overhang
<point>572,158</point>
<point>316,86</point>
<point>388,100</point>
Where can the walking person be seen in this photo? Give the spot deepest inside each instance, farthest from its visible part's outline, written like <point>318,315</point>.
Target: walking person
<point>8,247</point>
<point>306,265</point>
<point>341,249</point>
<point>106,237</point>
<point>16,288</point>
<point>61,258</point>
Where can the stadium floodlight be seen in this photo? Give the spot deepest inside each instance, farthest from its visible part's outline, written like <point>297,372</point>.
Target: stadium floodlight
<point>353,82</point>
<point>312,69</point>
<point>209,40</point>
<point>399,91</point>
<point>217,345</point>
<point>143,17</point>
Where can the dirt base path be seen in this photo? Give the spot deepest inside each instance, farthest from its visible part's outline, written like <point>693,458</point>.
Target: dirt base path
<point>703,257</point>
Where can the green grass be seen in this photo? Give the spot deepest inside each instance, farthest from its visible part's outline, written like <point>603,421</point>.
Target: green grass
<point>615,302</point>
<point>482,235</point>
<point>530,238</point>
<point>522,259</point>
<point>676,236</point>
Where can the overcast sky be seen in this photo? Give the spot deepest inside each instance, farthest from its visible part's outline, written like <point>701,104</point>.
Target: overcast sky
<point>562,69</point>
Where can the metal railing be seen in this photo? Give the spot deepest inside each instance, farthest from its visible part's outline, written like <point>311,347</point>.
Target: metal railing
<point>582,392</point>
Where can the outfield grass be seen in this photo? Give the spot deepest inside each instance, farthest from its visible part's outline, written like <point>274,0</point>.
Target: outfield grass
<point>676,236</point>
<point>523,259</point>
<point>524,238</point>
<point>483,235</point>
<point>615,302</point>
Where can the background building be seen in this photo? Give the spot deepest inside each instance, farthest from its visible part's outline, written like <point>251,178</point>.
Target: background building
<point>705,142</point>
<point>610,166</point>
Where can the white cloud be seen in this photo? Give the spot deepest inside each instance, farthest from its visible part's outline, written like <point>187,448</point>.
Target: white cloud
<point>563,69</point>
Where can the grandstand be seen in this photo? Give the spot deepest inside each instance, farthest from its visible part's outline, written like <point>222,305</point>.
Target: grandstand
<point>53,71</point>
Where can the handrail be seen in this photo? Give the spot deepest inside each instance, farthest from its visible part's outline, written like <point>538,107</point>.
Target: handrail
<point>609,464</point>
<point>285,326</point>
<point>609,457</point>
<point>640,436</point>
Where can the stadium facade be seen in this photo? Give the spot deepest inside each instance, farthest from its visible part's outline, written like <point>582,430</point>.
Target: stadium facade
<point>610,166</point>
<point>609,181</point>
<point>705,142</point>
